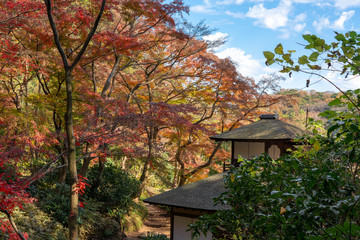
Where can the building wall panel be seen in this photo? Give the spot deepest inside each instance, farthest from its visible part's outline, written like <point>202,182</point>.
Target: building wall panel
<point>181,225</point>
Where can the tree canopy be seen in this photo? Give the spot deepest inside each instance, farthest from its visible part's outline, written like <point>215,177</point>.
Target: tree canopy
<point>130,82</point>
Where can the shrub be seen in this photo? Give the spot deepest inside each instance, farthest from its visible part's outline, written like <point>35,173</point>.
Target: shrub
<point>152,236</point>
<point>133,221</point>
<point>104,210</point>
<point>38,224</point>
<point>53,199</point>
<point>94,225</point>
<point>116,189</point>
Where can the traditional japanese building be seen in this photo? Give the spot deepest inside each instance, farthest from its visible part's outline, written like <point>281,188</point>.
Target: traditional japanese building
<point>268,135</point>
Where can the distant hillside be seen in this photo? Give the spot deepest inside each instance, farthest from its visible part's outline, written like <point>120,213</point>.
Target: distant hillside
<point>293,108</point>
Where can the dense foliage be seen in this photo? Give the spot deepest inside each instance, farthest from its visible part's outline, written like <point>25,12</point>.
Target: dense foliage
<point>299,105</point>
<point>130,82</point>
<point>83,83</point>
<point>116,190</point>
<point>310,194</point>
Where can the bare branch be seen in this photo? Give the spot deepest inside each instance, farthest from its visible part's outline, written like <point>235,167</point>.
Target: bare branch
<point>56,34</point>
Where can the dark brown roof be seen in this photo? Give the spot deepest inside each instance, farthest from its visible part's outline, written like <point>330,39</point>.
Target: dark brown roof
<point>264,129</point>
<point>197,195</point>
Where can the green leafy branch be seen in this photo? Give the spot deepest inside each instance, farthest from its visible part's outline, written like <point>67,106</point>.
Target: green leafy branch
<point>345,51</point>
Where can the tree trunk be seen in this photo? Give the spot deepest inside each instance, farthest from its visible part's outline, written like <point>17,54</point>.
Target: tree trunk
<point>74,197</point>
<point>85,166</point>
<point>63,170</point>
<point>152,133</point>
<point>123,163</point>
<point>144,175</point>
<point>182,176</point>
<point>86,162</point>
<point>175,175</point>
<point>181,172</point>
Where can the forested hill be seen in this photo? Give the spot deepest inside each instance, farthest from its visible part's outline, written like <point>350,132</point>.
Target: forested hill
<point>295,104</point>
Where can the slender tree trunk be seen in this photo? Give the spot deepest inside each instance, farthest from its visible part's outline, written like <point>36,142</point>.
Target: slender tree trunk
<point>181,172</point>
<point>85,166</point>
<point>74,197</point>
<point>175,174</point>
<point>63,170</point>
<point>152,134</point>
<point>86,162</point>
<point>61,147</point>
<point>123,163</point>
<point>182,177</point>
<point>144,174</point>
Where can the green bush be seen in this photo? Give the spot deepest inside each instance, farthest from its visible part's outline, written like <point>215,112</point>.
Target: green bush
<point>152,236</point>
<point>116,189</point>
<point>38,224</point>
<point>104,209</point>
<point>133,221</point>
<point>53,199</point>
<point>94,225</point>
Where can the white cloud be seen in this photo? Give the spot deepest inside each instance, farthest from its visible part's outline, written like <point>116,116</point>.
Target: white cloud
<point>299,27</point>
<point>235,15</point>
<point>343,4</point>
<point>352,82</point>
<point>216,41</point>
<point>246,64</point>
<point>273,18</point>
<point>209,6</point>
<point>298,23</point>
<point>228,2</point>
<point>345,16</point>
<point>323,22</point>
<point>338,24</point>
<point>285,33</point>
<point>201,9</point>
<point>300,18</point>
<point>305,1</point>
<point>216,36</point>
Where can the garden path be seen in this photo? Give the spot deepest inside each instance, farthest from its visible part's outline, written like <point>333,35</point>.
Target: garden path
<point>157,222</point>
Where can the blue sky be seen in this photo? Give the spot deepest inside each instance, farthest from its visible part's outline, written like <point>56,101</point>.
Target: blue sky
<point>254,26</point>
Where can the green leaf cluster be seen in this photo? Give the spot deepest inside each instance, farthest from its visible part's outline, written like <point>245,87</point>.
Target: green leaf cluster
<point>344,50</point>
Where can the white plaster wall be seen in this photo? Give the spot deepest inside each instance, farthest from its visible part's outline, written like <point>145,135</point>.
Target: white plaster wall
<point>274,151</point>
<point>180,227</point>
<point>248,150</point>
<point>242,149</point>
<point>256,149</point>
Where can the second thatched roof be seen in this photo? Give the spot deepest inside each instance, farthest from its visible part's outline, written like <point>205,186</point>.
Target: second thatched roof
<point>198,195</point>
<point>269,127</point>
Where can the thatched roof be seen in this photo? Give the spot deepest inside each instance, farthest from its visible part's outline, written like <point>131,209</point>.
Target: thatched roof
<point>197,195</point>
<point>267,128</point>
